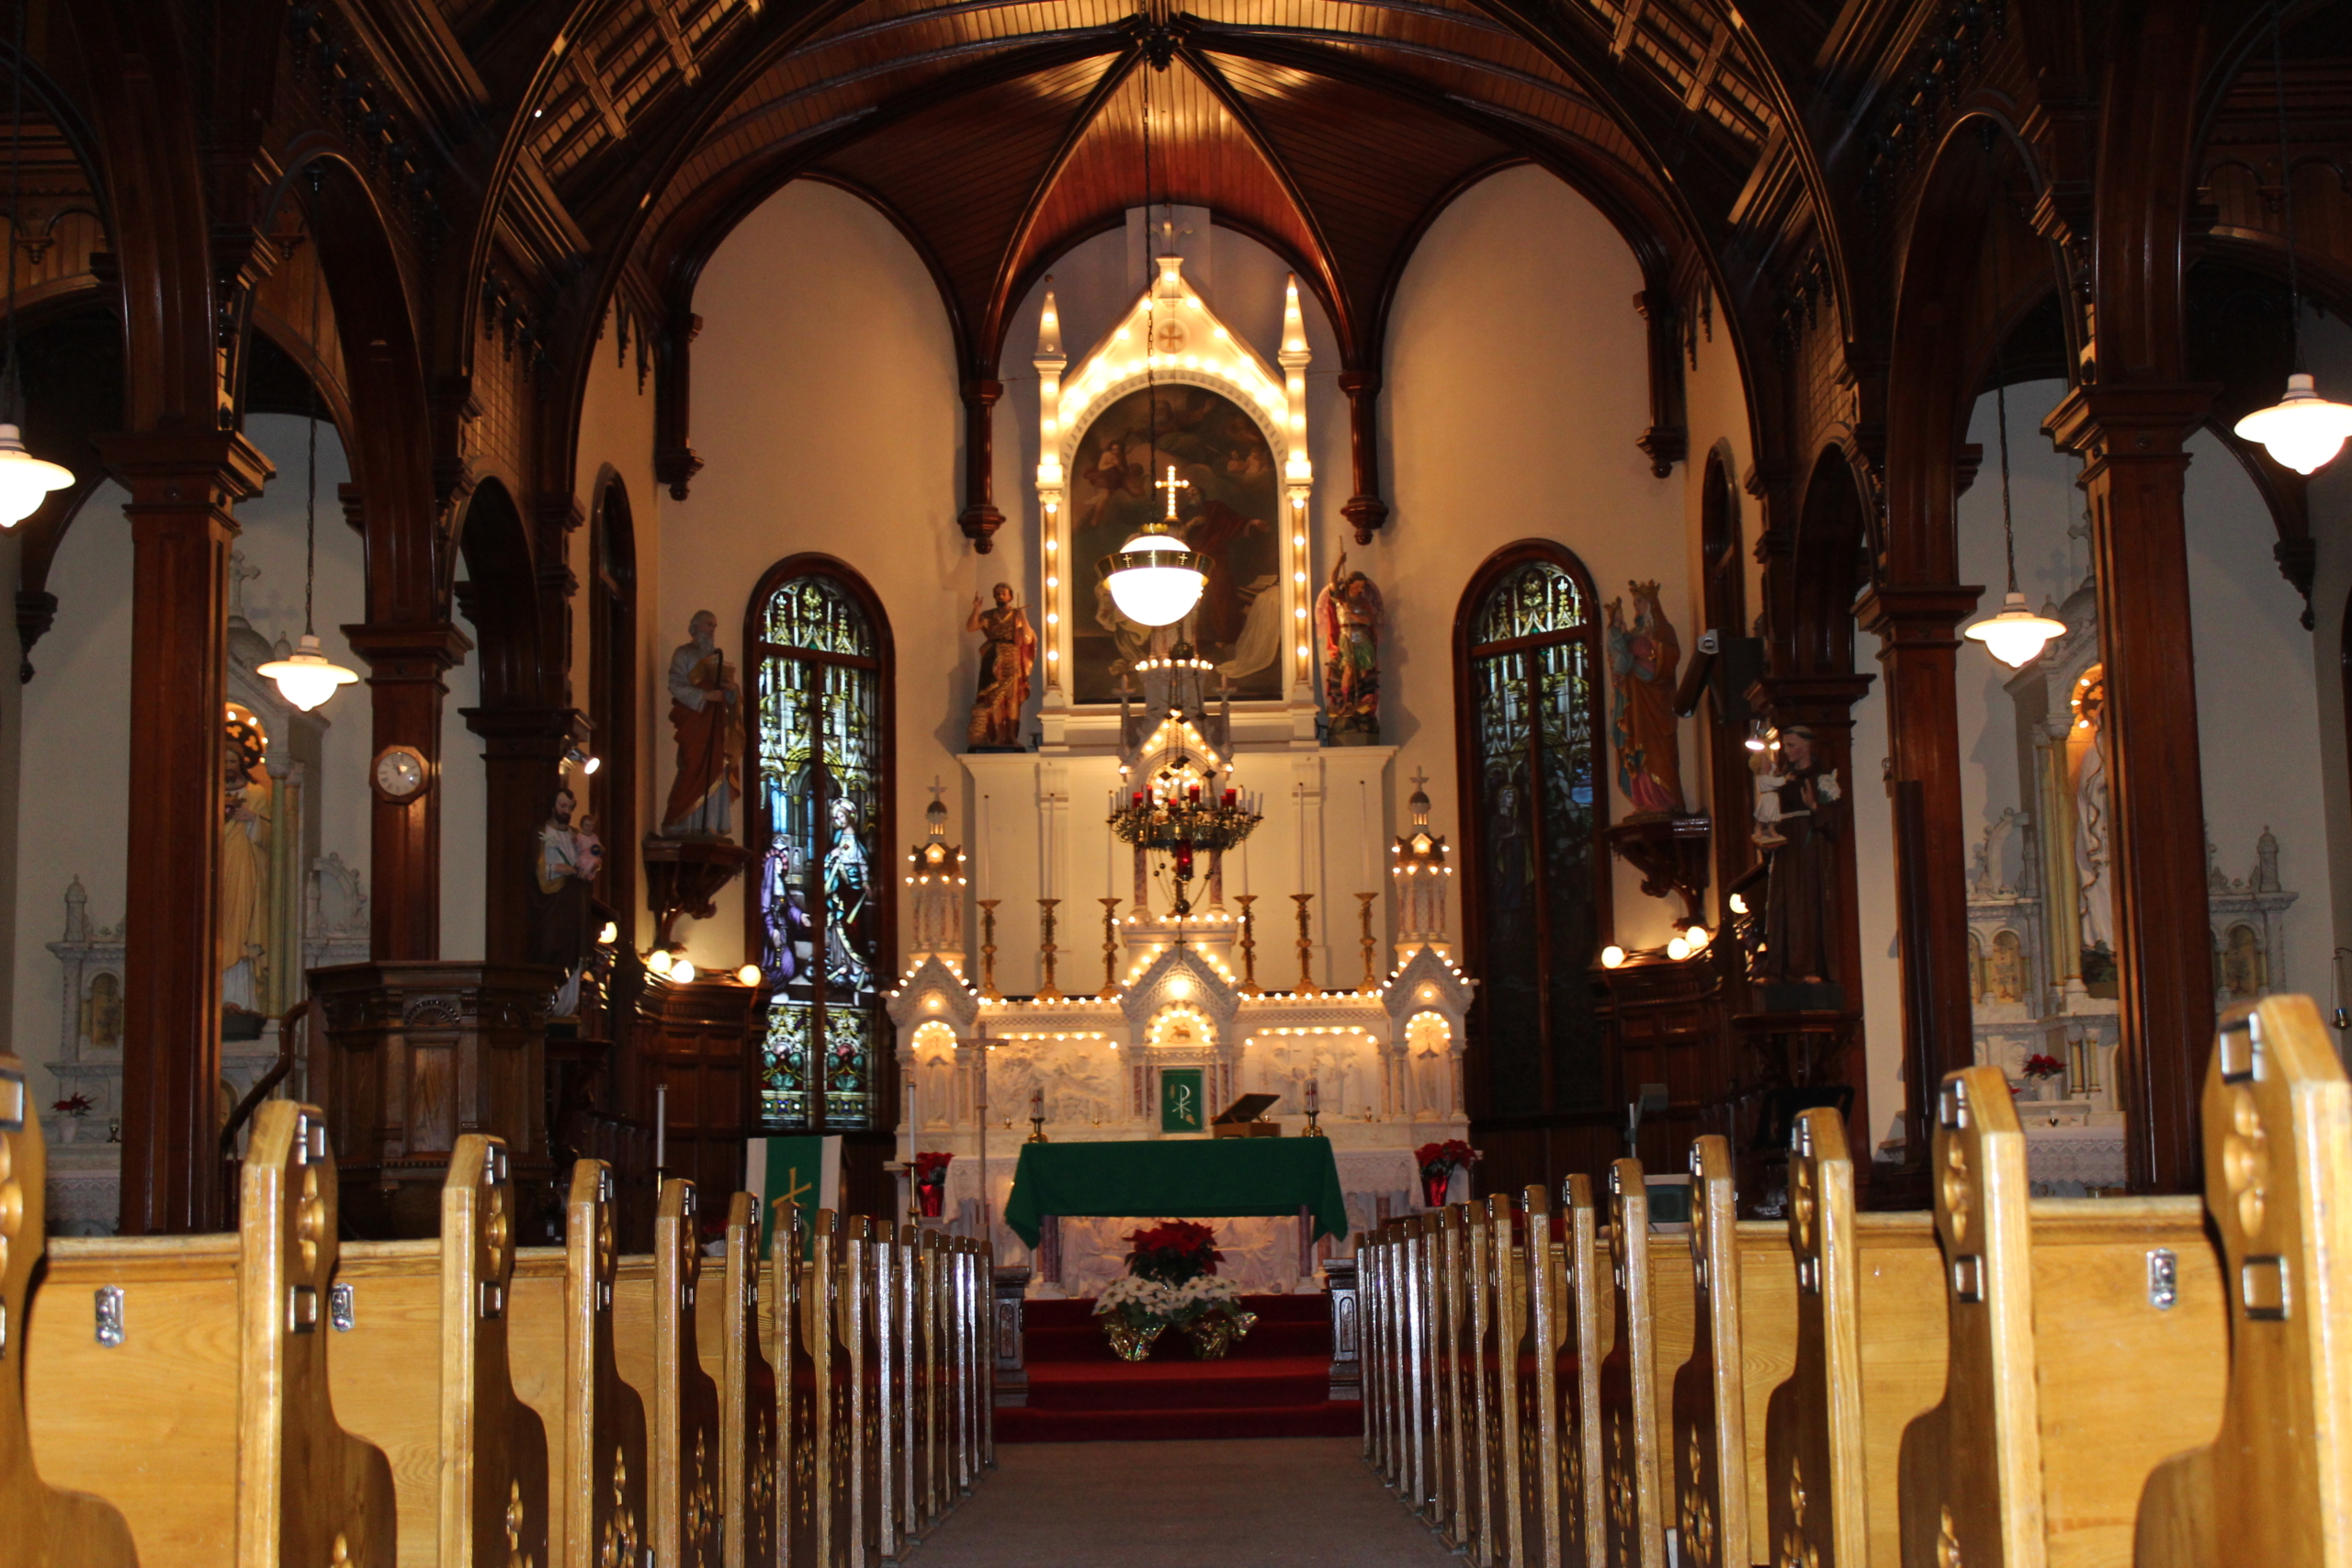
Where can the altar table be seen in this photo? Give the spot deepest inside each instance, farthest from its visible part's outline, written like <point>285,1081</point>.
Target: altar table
<point>1188,1180</point>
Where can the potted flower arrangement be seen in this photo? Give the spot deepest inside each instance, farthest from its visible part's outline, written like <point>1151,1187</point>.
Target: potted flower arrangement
<point>1438,1163</point>
<point>74,1107</point>
<point>930,1182</point>
<point>1171,1282</point>
<point>2041,1069</point>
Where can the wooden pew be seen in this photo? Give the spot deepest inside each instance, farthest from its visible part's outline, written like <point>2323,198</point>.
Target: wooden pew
<point>1743,1345</point>
<point>654,1345</point>
<point>1371,1281</point>
<point>956,1298</point>
<point>2071,1375</point>
<point>1563,1506</point>
<point>559,1343</point>
<point>797,1357</point>
<point>43,1525</point>
<point>200,1406</point>
<point>468,1457</point>
<point>732,1335</point>
<point>906,1309</point>
<point>1452,1345</point>
<point>863,1266</point>
<point>988,1324</point>
<point>1635,1525</point>
<point>2275,1485</point>
<point>932,1494</point>
<point>828,1438</point>
<point>1428,1437</point>
<point>1498,1267</point>
<point>1870,1357</point>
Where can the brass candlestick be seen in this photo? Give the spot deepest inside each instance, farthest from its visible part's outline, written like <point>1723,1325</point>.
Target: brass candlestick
<point>987,947</point>
<point>1249,987</point>
<point>1109,948</point>
<point>1306,986</point>
<point>1036,1130</point>
<point>1371,975</point>
<point>1314,1126</point>
<point>1046,991</point>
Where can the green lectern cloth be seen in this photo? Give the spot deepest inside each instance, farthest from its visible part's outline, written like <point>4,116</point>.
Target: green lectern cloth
<point>1178,1179</point>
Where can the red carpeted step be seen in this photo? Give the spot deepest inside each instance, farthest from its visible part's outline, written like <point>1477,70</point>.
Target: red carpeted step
<point>1328,1419</point>
<point>1219,1385</point>
<point>1067,1331</point>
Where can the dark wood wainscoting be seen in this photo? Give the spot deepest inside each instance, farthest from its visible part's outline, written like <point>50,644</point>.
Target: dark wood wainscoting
<point>697,1040</point>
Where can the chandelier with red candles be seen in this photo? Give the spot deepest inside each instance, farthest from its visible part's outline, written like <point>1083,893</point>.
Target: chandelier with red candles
<point>1183,811</point>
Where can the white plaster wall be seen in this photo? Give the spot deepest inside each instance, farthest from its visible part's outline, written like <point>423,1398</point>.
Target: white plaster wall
<point>1511,408</point>
<point>76,725</point>
<point>827,414</point>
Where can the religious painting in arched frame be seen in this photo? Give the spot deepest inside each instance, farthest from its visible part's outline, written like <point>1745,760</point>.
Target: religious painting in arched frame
<point>1227,486</point>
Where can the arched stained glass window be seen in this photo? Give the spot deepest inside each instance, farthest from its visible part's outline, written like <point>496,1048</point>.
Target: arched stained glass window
<point>1528,670</point>
<point>820,817</point>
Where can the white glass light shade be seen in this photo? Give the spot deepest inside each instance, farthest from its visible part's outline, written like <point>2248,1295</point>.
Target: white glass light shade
<point>1157,581</point>
<point>2016,635</point>
<point>1697,937</point>
<point>307,677</point>
<point>1677,950</point>
<point>682,972</point>
<point>1612,957</point>
<point>749,975</point>
<point>659,960</point>
<point>25,479</point>
<point>2302,430</point>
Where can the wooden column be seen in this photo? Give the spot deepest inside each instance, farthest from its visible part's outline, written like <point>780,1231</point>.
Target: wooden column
<point>1825,705</point>
<point>406,691</point>
<point>981,519</point>
<point>1918,629</point>
<point>182,486</point>
<point>1365,509</point>
<point>2131,439</point>
<point>523,762</point>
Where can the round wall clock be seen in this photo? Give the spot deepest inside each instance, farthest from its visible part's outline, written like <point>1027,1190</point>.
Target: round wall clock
<point>400,775</point>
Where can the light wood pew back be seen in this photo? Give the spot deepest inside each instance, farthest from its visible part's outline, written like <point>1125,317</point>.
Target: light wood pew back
<point>865,1289</point>
<point>2070,1378</point>
<point>654,1345</point>
<point>1869,1358</point>
<point>209,1421</point>
<point>1743,1345</point>
<point>829,1432</point>
<point>731,1335</point>
<point>1452,1343</point>
<point>796,1358</point>
<point>929,1493</point>
<point>43,1524</point>
<point>2275,1485</point>
<point>470,1459</point>
<point>1629,1380</point>
<point>1575,1301</point>
<point>1497,1266</point>
<point>559,1340</point>
<point>906,1298</point>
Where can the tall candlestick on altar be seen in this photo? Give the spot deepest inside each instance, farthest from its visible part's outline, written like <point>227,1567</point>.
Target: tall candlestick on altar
<point>1306,986</point>
<point>987,947</point>
<point>1249,987</point>
<point>1109,948</point>
<point>1046,990</point>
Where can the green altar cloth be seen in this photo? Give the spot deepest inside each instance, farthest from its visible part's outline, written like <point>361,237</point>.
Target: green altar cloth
<point>1185,1180</point>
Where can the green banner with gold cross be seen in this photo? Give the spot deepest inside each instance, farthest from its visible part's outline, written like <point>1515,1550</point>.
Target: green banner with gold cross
<point>804,1173</point>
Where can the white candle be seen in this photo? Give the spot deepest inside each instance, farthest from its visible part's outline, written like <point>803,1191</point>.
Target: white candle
<point>984,844</point>
<point>1037,1105</point>
<point>1110,853</point>
<point>661,1125</point>
<point>1314,1101</point>
<point>1363,830</point>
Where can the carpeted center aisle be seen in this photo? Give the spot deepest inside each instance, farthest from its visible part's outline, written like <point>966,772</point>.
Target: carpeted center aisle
<point>1200,1505</point>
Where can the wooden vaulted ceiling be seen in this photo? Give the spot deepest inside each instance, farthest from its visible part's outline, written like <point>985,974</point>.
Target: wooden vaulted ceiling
<point>1000,132</point>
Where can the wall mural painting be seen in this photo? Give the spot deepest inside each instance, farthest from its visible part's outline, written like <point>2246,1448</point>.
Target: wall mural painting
<point>817,800</point>
<point>1229,508</point>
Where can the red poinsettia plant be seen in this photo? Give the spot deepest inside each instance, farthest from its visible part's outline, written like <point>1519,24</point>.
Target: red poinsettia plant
<point>74,1105</point>
<point>2042,1066</point>
<point>1445,1159</point>
<point>1174,1252</point>
<point>931,1166</point>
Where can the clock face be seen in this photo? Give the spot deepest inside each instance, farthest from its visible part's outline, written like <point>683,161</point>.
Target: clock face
<point>400,773</point>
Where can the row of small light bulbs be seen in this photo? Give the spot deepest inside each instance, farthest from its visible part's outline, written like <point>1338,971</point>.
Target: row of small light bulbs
<point>1692,939</point>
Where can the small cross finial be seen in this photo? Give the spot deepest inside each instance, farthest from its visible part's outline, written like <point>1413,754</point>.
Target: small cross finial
<point>1420,777</point>
<point>938,791</point>
<point>1172,484</point>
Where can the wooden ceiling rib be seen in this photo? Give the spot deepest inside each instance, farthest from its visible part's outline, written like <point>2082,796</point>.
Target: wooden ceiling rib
<point>997,133</point>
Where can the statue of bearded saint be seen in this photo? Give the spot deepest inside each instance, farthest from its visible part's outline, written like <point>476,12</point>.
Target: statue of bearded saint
<point>705,707</point>
<point>1007,653</point>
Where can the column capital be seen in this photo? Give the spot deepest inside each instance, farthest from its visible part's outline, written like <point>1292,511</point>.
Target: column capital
<point>1825,700</point>
<point>532,731</point>
<point>185,467</point>
<point>420,652</point>
<point>2151,419</point>
<point>1917,615</point>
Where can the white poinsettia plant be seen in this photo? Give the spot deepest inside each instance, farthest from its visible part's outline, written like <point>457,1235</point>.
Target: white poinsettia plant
<point>1142,1302</point>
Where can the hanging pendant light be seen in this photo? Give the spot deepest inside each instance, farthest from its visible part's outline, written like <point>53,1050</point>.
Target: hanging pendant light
<point>307,677</point>
<point>2301,430</point>
<point>1156,579</point>
<point>2016,636</point>
<point>25,479</point>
